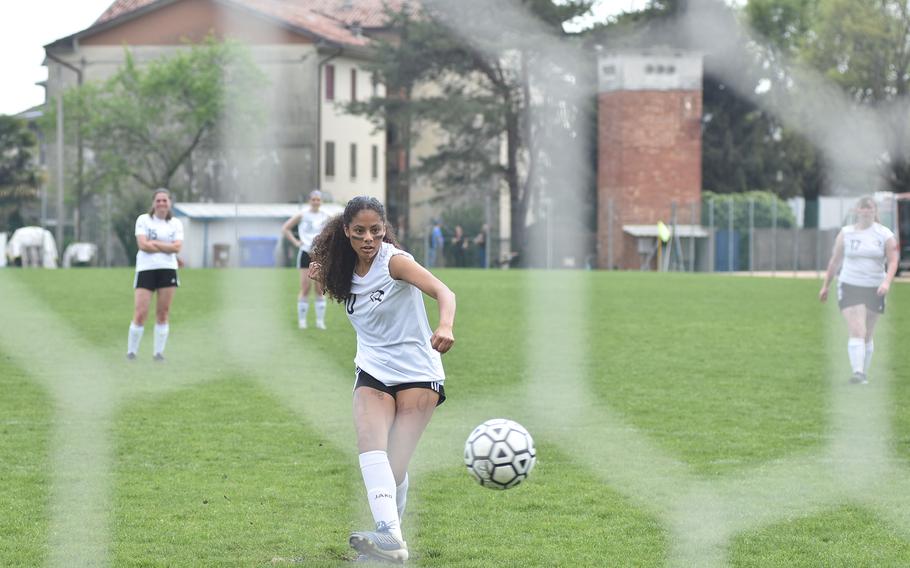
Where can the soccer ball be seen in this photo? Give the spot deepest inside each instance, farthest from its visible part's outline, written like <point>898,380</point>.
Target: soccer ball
<point>499,453</point>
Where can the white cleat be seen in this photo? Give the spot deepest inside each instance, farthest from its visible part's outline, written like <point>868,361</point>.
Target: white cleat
<point>301,324</point>
<point>320,324</point>
<point>380,544</point>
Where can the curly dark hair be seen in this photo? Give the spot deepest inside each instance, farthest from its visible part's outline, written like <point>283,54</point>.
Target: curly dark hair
<point>334,253</point>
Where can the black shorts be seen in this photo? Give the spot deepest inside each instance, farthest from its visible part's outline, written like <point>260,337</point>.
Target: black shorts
<point>303,259</point>
<point>364,379</point>
<point>154,279</point>
<point>849,295</point>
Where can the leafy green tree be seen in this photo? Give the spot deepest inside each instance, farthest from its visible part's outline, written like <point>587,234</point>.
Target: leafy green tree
<point>19,177</point>
<point>861,45</point>
<point>864,46</point>
<point>142,126</point>
<point>480,98</point>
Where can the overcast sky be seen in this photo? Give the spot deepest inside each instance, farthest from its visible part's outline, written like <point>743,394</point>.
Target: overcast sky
<point>26,26</point>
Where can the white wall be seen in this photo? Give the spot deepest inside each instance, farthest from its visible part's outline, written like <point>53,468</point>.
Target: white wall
<point>343,130</point>
<point>650,70</point>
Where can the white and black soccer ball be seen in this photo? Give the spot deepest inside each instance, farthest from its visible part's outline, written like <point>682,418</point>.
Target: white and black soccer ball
<point>499,453</point>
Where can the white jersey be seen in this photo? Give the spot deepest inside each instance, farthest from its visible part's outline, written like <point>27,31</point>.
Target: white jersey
<point>864,255</point>
<point>311,224</point>
<point>393,332</point>
<point>157,229</point>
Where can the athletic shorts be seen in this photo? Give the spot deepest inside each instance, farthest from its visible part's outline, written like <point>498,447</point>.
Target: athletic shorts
<point>364,379</point>
<point>303,259</point>
<point>154,279</point>
<point>850,295</point>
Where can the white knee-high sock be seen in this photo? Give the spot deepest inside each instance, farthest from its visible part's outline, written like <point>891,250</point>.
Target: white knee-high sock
<point>161,331</point>
<point>870,348</point>
<point>856,350</point>
<point>380,483</point>
<point>401,496</point>
<point>320,309</point>
<point>134,337</point>
<point>302,307</point>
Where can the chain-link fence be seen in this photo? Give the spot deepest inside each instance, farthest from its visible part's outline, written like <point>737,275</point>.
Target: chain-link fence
<point>750,232</point>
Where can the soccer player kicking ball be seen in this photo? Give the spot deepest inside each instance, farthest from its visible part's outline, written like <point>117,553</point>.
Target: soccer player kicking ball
<point>399,376</point>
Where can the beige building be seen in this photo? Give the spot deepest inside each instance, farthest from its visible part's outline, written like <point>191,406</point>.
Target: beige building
<point>353,158</point>
<point>312,53</point>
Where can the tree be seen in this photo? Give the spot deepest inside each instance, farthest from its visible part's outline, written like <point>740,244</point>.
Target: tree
<point>18,171</point>
<point>747,148</point>
<point>481,98</point>
<point>863,47</point>
<point>144,124</point>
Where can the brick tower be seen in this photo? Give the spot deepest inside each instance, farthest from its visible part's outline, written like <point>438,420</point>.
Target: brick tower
<point>649,143</point>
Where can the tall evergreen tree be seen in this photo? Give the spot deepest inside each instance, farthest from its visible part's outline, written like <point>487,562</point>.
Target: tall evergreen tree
<point>477,92</point>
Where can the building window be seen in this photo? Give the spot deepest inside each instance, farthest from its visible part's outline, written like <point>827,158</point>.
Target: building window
<point>374,161</point>
<point>353,161</point>
<point>330,82</point>
<point>353,84</point>
<point>329,159</point>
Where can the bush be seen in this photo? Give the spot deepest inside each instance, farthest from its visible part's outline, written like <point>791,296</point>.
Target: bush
<point>763,212</point>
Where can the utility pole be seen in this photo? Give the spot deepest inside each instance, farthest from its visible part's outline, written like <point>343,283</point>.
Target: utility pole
<point>77,221</point>
<point>60,165</point>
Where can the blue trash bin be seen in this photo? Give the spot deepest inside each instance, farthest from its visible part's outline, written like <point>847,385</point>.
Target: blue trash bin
<point>722,260</point>
<point>257,252</point>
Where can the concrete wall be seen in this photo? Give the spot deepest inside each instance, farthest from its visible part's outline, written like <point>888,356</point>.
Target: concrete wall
<point>791,249</point>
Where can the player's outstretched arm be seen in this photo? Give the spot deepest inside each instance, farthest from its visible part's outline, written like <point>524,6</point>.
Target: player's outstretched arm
<point>404,268</point>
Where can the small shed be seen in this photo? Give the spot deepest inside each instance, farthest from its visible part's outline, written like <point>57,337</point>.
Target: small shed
<point>236,234</point>
<point>646,239</point>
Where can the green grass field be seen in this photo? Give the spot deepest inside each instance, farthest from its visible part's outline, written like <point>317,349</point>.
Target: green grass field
<point>680,420</point>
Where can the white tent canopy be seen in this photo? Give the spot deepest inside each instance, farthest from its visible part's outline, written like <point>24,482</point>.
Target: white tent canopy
<point>34,245</point>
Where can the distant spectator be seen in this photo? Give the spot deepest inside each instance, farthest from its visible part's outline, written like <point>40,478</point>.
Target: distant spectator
<point>480,241</point>
<point>435,245</point>
<point>459,246</point>
<point>401,231</point>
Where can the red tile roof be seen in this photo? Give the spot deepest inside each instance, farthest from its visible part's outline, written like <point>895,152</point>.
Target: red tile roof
<point>333,20</point>
<point>120,7</point>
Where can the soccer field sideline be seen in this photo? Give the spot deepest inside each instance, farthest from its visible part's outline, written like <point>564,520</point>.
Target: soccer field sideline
<point>637,482</point>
